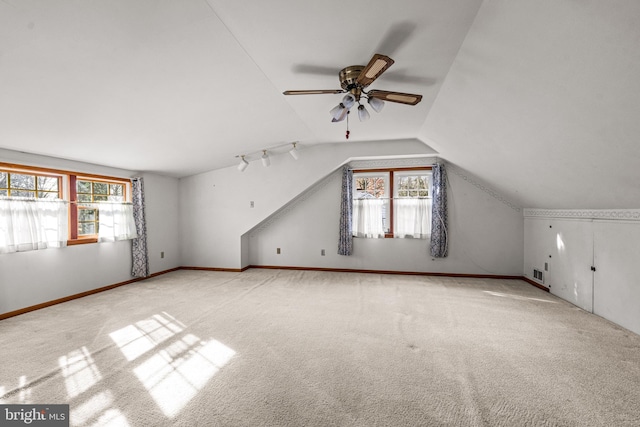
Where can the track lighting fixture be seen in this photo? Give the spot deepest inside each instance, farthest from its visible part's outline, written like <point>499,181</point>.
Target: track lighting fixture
<point>294,151</point>
<point>265,159</point>
<point>243,164</point>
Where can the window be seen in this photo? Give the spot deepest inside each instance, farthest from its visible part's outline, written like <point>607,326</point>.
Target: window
<point>89,193</point>
<point>91,203</point>
<point>392,203</point>
<point>30,185</point>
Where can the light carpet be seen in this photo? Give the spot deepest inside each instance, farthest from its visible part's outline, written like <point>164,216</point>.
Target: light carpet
<point>305,348</point>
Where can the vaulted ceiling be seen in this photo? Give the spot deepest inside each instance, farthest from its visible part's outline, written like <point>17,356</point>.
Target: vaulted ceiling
<point>538,99</point>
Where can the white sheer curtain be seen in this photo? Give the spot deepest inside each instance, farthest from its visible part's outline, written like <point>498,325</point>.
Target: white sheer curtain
<point>367,218</point>
<point>115,222</point>
<point>412,218</point>
<point>31,224</point>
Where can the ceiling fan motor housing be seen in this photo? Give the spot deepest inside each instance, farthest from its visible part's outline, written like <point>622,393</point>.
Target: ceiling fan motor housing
<point>348,80</point>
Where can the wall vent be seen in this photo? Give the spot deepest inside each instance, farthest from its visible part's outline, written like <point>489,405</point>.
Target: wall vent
<point>537,274</point>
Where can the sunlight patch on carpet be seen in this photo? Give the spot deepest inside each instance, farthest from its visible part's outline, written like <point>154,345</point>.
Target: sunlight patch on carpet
<point>25,392</point>
<point>175,374</point>
<point>79,371</point>
<point>135,340</point>
<point>98,411</point>
<point>517,297</point>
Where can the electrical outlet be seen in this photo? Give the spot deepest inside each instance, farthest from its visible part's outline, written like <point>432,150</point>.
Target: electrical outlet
<point>251,204</point>
<point>278,251</point>
<point>322,252</point>
<point>162,254</point>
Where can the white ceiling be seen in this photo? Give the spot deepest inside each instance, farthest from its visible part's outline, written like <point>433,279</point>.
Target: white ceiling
<point>538,98</point>
<point>181,87</point>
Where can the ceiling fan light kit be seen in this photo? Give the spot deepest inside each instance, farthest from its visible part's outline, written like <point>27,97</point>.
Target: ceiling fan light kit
<point>376,103</point>
<point>354,80</point>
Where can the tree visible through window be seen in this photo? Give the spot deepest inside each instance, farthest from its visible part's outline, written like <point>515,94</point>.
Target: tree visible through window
<point>88,192</point>
<point>392,203</point>
<point>83,195</point>
<point>33,186</point>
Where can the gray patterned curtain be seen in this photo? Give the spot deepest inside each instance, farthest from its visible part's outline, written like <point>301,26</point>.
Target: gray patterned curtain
<point>345,245</point>
<point>139,251</point>
<point>439,237</point>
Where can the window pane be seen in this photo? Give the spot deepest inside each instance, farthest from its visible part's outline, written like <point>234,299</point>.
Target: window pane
<point>27,182</point>
<point>370,187</point>
<point>47,195</point>
<point>116,189</point>
<point>23,193</point>
<point>86,214</point>
<point>83,186</point>
<point>47,183</point>
<point>413,186</point>
<point>100,188</point>
<point>87,228</point>
<point>3,180</point>
<point>98,198</point>
<point>4,192</point>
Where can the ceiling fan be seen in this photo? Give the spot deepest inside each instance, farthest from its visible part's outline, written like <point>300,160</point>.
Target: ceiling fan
<point>354,80</point>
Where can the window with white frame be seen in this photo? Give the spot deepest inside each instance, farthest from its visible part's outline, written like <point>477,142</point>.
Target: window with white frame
<point>392,203</point>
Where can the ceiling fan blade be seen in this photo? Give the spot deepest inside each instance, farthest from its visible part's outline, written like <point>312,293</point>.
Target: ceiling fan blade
<point>373,70</point>
<point>402,98</point>
<point>311,92</point>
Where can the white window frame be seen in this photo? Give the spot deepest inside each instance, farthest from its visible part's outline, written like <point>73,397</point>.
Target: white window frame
<point>390,176</point>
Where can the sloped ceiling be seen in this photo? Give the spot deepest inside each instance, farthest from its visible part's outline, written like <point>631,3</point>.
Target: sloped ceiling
<point>538,99</point>
<point>181,87</point>
<point>543,103</point>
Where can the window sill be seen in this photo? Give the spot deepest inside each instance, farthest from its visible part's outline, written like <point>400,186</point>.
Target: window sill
<point>82,241</point>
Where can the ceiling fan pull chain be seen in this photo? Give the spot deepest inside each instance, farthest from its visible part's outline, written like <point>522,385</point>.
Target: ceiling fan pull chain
<point>347,134</point>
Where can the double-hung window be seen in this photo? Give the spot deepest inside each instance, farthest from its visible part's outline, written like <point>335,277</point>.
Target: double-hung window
<point>392,203</point>
<point>92,196</point>
<point>41,208</point>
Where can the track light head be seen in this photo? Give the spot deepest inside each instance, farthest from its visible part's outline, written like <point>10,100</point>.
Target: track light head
<point>294,151</point>
<point>265,159</point>
<point>243,164</point>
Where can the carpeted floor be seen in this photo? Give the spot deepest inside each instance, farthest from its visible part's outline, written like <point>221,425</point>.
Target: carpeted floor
<point>304,348</point>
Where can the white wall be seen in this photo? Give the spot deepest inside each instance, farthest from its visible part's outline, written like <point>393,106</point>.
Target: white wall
<point>30,278</point>
<point>161,212</point>
<point>485,236</point>
<point>571,242</point>
<point>215,207</point>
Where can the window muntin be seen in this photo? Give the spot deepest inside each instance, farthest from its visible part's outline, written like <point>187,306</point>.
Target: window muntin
<point>390,185</point>
<point>30,185</point>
